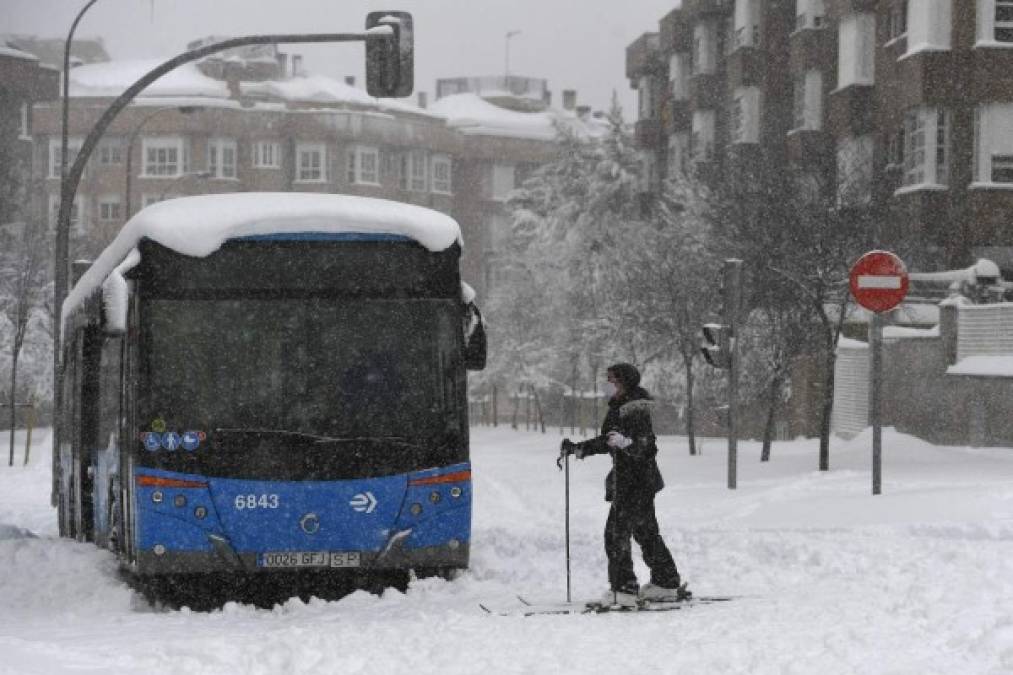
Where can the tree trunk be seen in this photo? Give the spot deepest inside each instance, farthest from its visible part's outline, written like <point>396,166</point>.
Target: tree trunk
<point>540,422</point>
<point>827,409</point>
<point>14,410</point>
<point>690,418</point>
<point>768,429</point>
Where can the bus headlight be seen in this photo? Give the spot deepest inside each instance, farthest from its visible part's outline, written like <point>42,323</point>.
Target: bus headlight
<point>200,513</point>
<point>416,509</point>
<point>179,501</point>
<point>156,496</point>
<point>455,492</point>
<point>434,497</point>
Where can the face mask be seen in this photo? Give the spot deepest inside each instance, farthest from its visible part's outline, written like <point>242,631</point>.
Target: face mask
<point>608,390</point>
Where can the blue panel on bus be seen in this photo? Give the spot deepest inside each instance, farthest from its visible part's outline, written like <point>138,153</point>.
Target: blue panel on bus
<point>324,236</point>
<point>345,515</point>
<point>348,515</point>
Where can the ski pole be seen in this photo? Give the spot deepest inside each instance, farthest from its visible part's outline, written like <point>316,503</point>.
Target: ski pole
<point>567,510</point>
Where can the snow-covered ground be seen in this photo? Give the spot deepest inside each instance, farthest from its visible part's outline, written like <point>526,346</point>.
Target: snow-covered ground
<point>834,580</point>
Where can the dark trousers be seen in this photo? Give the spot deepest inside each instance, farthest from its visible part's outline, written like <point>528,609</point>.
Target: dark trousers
<point>635,518</point>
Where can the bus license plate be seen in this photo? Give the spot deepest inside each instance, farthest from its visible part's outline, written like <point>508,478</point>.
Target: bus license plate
<point>310,559</point>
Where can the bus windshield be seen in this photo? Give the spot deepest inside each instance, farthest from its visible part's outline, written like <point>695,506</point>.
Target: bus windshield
<point>353,382</point>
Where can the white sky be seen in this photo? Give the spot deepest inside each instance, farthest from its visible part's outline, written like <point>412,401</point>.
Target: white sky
<point>575,44</point>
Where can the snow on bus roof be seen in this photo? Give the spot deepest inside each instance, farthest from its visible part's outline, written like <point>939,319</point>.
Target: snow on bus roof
<point>198,226</point>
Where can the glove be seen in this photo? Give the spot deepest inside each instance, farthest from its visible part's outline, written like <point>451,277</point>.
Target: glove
<point>618,441</point>
<point>568,447</point>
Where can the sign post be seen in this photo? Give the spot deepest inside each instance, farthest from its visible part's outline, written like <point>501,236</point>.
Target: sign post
<point>878,282</point>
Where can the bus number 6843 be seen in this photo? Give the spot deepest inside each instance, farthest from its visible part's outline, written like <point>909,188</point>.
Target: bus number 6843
<point>253,501</point>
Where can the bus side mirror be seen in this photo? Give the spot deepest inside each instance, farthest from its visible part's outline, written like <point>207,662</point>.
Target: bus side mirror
<point>390,63</point>
<point>475,342</point>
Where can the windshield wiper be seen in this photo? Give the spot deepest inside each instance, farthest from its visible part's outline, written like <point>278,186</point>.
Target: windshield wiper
<point>396,440</point>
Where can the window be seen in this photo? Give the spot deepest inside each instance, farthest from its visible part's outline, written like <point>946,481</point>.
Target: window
<point>854,170</point>
<point>503,180</point>
<point>746,29</point>
<point>745,115</point>
<point>809,14</point>
<point>645,99</point>
<point>678,72</point>
<point>76,211</point>
<point>808,101</point>
<point>310,163</point>
<point>649,177</point>
<point>702,140</point>
<point>149,199</point>
<point>25,121</point>
<point>995,21</point>
<point>895,149</point>
<point>1003,20</point>
<point>73,147</point>
<point>705,47</point>
<point>164,157</point>
<point>267,155</point>
<point>109,208</point>
<point>110,152</point>
<point>856,50</point>
<point>993,144</point>
<point>222,158</point>
<point>678,155</point>
<point>914,148</point>
<point>929,25</point>
<point>896,20</point>
<point>363,165</point>
<point>442,174</point>
<point>413,171</point>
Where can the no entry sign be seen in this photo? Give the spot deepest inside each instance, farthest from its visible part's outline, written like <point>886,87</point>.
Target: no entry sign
<point>878,281</point>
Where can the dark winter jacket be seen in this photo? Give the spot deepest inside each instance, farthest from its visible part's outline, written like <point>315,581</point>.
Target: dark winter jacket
<point>634,473</point>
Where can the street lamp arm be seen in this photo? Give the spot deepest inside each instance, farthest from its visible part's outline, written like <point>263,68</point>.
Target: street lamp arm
<point>73,177</point>
<point>66,86</point>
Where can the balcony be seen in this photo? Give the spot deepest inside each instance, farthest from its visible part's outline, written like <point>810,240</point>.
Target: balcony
<point>647,134</point>
<point>746,67</point>
<point>838,8</point>
<point>706,90</point>
<point>698,8</point>
<point>643,56</point>
<point>676,116</point>
<point>852,110</point>
<point>676,31</point>
<point>813,50</point>
<point>809,147</point>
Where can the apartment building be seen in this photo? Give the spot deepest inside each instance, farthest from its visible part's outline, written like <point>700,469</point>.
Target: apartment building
<point>24,83</point>
<point>904,107</point>
<point>257,122</point>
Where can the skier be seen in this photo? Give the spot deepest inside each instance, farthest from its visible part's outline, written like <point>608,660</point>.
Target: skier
<point>627,435</point>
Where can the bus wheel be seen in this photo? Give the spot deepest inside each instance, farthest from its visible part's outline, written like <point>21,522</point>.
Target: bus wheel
<point>443,572</point>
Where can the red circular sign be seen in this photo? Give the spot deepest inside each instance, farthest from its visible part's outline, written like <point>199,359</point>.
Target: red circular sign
<point>878,281</point>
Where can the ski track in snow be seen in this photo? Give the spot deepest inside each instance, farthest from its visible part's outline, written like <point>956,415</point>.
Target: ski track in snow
<point>917,580</point>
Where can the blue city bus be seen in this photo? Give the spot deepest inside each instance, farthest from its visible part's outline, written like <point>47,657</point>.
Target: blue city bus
<point>269,384</point>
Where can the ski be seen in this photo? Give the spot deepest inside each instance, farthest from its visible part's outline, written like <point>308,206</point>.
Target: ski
<point>528,608</point>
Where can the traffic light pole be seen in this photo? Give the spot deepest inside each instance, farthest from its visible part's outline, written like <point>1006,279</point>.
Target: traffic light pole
<point>732,286</point>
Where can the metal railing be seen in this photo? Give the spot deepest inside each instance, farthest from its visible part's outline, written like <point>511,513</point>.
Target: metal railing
<point>985,330</point>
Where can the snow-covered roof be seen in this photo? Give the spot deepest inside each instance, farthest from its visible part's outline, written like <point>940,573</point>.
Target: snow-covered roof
<point>472,115</point>
<point>112,78</point>
<point>198,226</point>
<point>10,52</point>
<point>325,90</point>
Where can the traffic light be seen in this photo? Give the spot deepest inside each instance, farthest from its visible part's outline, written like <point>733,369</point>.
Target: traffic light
<point>716,348</point>
<point>390,64</point>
